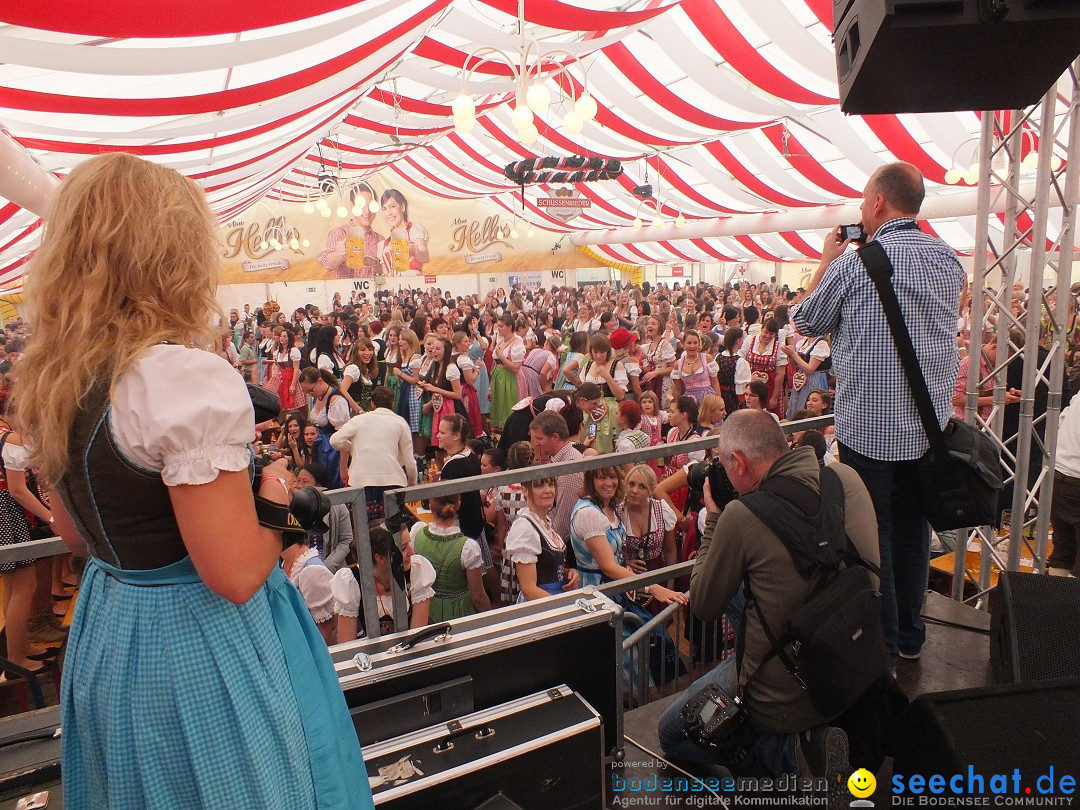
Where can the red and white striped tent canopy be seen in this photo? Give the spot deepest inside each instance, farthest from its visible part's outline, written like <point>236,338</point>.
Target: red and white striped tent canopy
<point>727,108</point>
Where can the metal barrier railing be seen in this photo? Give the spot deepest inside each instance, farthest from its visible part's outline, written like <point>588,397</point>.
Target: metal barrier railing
<point>395,501</point>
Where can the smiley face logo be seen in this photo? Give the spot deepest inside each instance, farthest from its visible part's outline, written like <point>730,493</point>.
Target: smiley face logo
<point>861,783</point>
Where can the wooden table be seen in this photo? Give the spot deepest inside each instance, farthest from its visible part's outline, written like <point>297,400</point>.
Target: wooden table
<point>946,562</point>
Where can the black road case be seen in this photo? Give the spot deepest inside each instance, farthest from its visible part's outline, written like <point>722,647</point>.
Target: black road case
<point>539,752</point>
<point>573,639</point>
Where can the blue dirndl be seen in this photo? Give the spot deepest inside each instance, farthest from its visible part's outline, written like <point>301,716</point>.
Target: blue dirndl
<point>173,697</point>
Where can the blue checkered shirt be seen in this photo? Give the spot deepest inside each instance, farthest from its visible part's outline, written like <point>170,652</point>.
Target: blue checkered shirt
<point>875,412</point>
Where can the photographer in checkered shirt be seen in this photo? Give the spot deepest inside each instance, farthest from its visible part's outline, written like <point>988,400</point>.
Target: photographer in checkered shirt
<point>877,424</point>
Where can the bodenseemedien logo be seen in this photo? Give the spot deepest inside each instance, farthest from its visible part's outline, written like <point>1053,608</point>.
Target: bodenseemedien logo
<point>862,785</point>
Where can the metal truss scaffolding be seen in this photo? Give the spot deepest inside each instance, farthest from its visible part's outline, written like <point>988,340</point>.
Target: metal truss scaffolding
<point>1032,332</point>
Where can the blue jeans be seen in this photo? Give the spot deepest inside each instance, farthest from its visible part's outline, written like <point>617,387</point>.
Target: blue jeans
<point>904,541</point>
<point>772,750</point>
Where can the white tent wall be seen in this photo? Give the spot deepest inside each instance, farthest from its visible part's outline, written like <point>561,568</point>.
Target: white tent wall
<point>293,294</point>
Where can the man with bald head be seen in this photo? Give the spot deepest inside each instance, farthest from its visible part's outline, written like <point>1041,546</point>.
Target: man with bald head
<point>877,425</point>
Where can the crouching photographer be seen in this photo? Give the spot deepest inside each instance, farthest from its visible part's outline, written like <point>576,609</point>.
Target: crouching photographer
<point>793,556</point>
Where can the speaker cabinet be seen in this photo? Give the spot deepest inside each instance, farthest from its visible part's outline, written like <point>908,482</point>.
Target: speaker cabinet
<point>993,730</point>
<point>1034,627</point>
<point>895,56</point>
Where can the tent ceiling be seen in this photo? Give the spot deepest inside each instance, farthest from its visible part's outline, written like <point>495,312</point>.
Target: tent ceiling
<point>728,106</point>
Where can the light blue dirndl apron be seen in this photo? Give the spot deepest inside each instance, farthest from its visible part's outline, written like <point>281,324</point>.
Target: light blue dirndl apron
<point>174,697</point>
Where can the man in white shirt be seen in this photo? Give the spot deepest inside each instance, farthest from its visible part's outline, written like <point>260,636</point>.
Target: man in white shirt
<point>1065,505</point>
<point>378,446</point>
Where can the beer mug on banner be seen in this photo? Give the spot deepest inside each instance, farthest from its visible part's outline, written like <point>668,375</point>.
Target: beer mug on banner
<point>399,255</point>
<point>355,248</point>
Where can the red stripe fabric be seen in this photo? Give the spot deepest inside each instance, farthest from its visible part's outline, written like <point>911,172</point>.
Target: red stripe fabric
<point>567,17</point>
<point>805,163</point>
<point>896,138</point>
<point>156,19</point>
<point>722,34</point>
<point>221,100</point>
<point>743,175</point>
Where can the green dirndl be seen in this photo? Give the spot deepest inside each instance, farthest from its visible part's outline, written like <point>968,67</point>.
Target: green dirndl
<point>606,429</point>
<point>452,598</point>
<point>504,395</point>
<point>426,417</point>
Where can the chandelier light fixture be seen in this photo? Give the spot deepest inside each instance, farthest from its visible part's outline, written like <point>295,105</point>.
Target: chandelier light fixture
<point>531,96</point>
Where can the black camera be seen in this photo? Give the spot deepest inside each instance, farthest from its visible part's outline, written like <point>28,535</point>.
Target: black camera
<point>856,233</point>
<point>308,505</point>
<point>719,483</point>
<point>715,719</point>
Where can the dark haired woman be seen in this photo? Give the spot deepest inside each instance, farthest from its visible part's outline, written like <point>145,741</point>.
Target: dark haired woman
<point>330,412</point>
<point>361,373</point>
<point>535,549</point>
<point>324,353</point>
<point>768,364</point>
<point>286,368</point>
<point>733,372</point>
<point>421,581</point>
<point>440,380</point>
<point>405,249</point>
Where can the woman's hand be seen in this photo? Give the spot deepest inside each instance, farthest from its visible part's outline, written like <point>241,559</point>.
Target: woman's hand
<point>666,596</point>
<point>573,580</point>
<point>637,566</point>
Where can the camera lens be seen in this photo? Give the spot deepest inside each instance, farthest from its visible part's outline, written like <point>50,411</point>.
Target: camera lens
<point>696,475</point>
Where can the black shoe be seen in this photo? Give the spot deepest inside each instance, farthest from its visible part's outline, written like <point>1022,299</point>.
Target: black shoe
<point>826,751</point>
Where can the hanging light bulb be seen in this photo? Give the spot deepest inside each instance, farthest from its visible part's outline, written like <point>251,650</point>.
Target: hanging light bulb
<point>373,206</point>
<point>513,233</point>
<point>637,222</point>
<point>463,125</point>
<point>538,98</point>
<point>531,232</point>
<point>294,243</point>
<point>953,176</point>
<point>971,177</point>
<point>342,211</point>
<point>529,135</point>
<point>572,123</point>
<point>321,204</point>
<point>263,245</point>
<point>305,242</point>
<point>463,107</point>
<point>521,116</point>
<point>658,221</point>
<point>275,244</point>
<point>1031,160</point>
<point>309,207</point>
<point>1055,163</point>
<point>585,107</point>
<point>680,221</point>
<point>325,213</point>
<point>357,210</point>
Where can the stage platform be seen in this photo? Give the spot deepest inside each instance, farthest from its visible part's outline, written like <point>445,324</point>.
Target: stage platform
<point>956,656</point>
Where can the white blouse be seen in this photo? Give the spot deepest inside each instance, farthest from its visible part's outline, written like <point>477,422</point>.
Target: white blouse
<point>346,591</point>
<point>184,413</point>
<point>15,456</point>
<point>470,552</point>
<point>316,585</point>
<point>522,541</point>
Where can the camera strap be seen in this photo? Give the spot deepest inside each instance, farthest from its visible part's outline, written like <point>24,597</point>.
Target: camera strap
<point>280,518</point>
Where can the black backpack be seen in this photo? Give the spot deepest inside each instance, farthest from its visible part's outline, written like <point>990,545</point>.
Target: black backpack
<point>835,644</point>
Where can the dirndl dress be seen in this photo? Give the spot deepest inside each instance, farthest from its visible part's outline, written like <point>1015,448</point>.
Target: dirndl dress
<point>504,394</point>
<point>483,382</point>
<point>14,528</point>
<point>156,661</point>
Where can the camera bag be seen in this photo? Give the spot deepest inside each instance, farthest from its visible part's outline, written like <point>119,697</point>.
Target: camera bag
<point>835,643</point>
<point>960,475</point>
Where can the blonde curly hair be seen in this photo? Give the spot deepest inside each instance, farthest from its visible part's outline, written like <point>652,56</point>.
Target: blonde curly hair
<point>129,259</point>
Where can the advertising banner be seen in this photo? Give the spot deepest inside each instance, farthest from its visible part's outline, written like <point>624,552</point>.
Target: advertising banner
<point>409,237</point>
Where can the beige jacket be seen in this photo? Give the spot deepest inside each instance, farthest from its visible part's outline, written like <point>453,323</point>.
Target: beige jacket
<point>736,544</point>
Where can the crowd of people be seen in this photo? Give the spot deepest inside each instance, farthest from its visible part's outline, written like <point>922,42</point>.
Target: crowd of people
<point>416,385</point>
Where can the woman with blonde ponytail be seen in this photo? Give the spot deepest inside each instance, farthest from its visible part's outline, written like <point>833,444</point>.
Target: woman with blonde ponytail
<point>194,676</point>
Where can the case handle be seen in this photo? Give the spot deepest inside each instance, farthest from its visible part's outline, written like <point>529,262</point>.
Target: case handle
<point>440,631</point>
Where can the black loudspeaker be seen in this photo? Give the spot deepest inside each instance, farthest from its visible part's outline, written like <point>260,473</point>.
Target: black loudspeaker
<point>1034,627</point>
<point>895,56</point>
<point>992,730</point>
